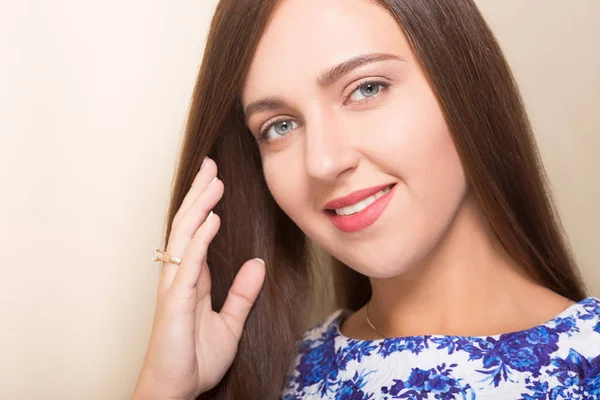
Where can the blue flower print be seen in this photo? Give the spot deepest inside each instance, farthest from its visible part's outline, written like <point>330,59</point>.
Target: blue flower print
<point>566,325</point>
<point>414,344</point>
<point>352,389</point>
<point>556,360</point>
<point>525,351</point>
<point>538,391</point>
<point>421,383</point>
<point>355,351</point>
<point>579,377</point>
<point>318,363</point>
<point>591,383</point>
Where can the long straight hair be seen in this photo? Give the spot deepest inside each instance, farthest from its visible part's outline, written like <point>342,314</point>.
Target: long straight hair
<point>484,112</point>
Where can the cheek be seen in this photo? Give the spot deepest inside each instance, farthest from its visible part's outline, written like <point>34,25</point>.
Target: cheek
<point>433,178</point>
<point>418,148</point>
<point>435,174</point>
<point>284,178</point>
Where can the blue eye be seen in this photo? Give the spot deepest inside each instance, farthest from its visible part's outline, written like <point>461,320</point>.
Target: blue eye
<point>367,90</point>
<point>281,127</point>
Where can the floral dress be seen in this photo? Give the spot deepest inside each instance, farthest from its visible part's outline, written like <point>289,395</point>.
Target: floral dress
<point>559,359</point>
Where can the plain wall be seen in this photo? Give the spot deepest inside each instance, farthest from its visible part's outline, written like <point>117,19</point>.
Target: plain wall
<point>93,100</point>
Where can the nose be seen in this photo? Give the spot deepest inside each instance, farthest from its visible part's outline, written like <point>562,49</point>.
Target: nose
<point>329,148</point>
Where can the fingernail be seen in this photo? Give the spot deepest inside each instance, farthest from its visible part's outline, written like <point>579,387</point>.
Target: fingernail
<point>209,215</point>
<point>204,161</point>
<point>213,181</point>
<point>260,259</point>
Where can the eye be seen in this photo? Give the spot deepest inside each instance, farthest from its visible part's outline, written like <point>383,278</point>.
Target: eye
<point>367,90</point>
<point>280,127</point>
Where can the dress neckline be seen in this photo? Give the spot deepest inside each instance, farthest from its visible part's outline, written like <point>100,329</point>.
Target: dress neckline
<point>340,315</point>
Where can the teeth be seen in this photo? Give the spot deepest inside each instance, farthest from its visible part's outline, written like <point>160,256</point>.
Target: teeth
<point>361,205</point>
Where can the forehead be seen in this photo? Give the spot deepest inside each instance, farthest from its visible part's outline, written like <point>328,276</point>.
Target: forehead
<point>306,37</point>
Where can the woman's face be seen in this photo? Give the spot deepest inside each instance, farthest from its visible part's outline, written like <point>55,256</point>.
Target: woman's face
<point>333,128</point>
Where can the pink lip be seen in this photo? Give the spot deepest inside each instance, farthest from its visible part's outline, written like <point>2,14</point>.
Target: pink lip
<point>354,197</point>
<point>364,218</point>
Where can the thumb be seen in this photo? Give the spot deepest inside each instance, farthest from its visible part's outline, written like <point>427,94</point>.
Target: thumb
<point>242,295</point>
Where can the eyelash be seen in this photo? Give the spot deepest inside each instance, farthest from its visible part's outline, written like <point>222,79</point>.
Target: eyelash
<point>263,134</point>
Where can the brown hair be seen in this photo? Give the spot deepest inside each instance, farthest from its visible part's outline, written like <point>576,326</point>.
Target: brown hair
<point>485,115</point>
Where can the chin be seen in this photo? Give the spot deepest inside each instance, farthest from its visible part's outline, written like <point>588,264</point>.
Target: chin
<point>380,266</point>
<point>383,270</point>
<point>391,259</point>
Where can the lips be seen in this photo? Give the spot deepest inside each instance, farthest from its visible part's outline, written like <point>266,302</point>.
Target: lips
<point>354,223</point>
<point>355,197</point>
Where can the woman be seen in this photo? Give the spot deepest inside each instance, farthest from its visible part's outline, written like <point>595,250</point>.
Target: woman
<point>392,135</point>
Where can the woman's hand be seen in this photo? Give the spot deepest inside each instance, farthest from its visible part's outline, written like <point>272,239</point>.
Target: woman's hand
<point>191,346</point>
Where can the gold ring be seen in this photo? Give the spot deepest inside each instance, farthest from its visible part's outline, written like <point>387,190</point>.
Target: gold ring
<point>161,255</point>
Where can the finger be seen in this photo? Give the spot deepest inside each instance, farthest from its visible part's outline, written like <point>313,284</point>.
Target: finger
<point>203,285</point>
<point>242,295</point>
<point>207,172</point>
<point>176,244</point>
<point>199,209</point>
<point>189,270</point>
<point>182,232</point>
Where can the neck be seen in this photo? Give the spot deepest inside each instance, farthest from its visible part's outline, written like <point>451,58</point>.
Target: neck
<point>467,286</point>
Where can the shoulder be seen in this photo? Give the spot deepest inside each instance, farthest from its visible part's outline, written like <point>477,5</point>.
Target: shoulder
<point>315,358</point>
<point>590,309</point>
<point>325,329</point>
<point>585,321</point>
<point>319,341</point>
<point>578,355</point>
<point>578,327</point>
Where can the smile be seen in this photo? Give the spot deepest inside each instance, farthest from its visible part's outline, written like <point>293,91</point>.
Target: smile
<point>358,216</point>
<point>361,205</point>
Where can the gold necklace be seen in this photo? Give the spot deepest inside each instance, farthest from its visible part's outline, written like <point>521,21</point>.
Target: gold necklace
<point>371,324</point>
<point>385,337</point>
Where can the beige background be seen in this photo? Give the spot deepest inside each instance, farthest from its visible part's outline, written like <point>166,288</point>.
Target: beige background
<point>93,98</point>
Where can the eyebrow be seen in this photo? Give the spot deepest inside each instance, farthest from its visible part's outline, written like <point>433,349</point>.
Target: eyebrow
<point>326,79</point>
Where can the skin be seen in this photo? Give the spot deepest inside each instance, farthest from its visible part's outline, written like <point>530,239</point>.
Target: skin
<point>191,346</point>
<point>434,264</point>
